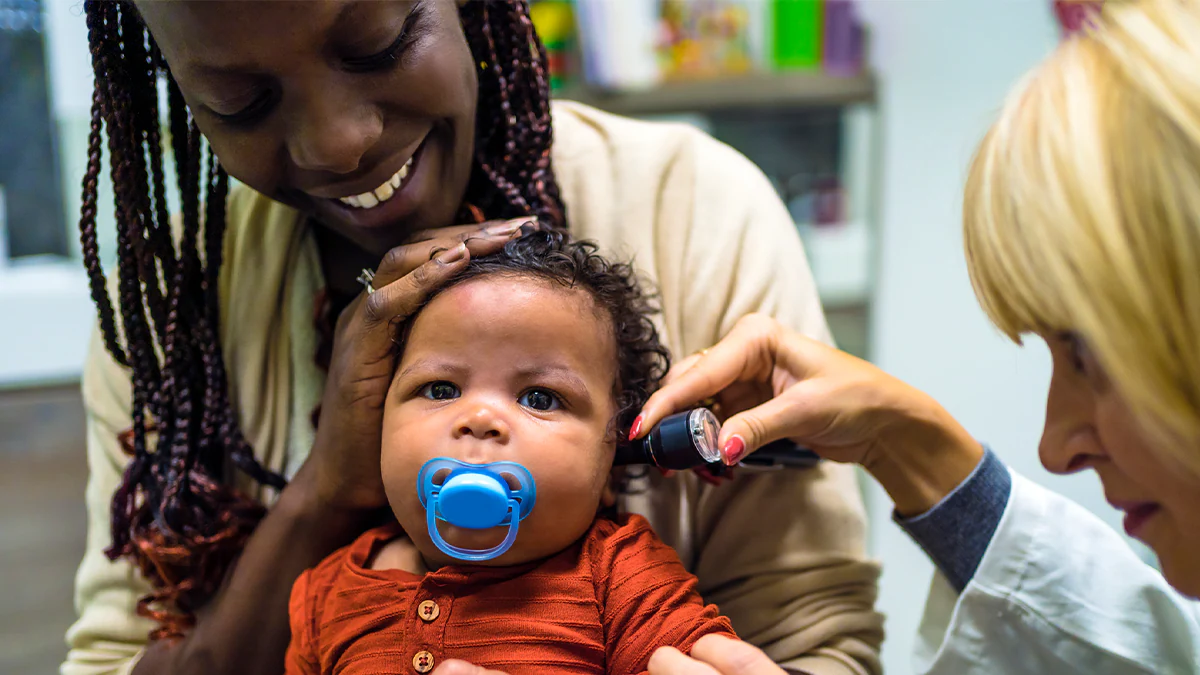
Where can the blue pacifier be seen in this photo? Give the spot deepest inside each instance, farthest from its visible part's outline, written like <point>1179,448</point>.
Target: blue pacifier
<point>476,497</point>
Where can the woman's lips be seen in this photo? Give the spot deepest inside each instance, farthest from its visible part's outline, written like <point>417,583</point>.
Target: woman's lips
<point>400,204</point>
<point>1136,517</point>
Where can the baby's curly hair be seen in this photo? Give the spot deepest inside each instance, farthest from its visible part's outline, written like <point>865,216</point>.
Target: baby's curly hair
<point>552,255</point>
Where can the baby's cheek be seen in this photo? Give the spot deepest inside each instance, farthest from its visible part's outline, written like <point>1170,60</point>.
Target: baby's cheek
<point>571,502</point>
<point>399,484</point>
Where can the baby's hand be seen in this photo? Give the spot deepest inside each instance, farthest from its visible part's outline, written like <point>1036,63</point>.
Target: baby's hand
<point>714,655</point>
<point>456,667</point>
<point>399,554</point>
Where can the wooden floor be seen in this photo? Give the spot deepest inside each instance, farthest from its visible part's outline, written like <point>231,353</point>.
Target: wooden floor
<point>42,525</point>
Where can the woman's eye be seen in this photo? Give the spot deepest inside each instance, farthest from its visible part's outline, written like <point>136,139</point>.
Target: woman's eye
<point>1081,356</point>
<point>249,114</point>
<point>409,32</point>
<point>382,59</point>
<point>1084,361</point>
<point>439,391</point>
<point>1075,352</point>
<point>540,399</point>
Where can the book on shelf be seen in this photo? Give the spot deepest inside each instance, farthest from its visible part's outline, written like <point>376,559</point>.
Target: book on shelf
<point>632,45</point>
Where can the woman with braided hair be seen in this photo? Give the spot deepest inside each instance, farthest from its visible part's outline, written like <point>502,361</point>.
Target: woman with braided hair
<point>235,386</point>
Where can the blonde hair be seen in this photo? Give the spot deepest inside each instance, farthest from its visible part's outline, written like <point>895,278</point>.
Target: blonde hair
<point>1082,209</point>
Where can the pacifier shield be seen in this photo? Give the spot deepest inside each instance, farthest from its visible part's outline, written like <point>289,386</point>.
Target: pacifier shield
<point>477,497</point>
<point>473,500</point>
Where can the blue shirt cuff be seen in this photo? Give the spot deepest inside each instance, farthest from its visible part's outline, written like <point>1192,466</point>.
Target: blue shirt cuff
<point>956,532</point>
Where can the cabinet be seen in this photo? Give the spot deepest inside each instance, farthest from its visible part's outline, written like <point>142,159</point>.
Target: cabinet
<point>814,136</point>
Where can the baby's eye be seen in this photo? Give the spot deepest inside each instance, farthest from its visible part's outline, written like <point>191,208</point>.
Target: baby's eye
<point>540,399</point>
<point>439,391</point>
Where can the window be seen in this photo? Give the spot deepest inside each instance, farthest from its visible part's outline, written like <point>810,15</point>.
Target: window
<point>32,218</point>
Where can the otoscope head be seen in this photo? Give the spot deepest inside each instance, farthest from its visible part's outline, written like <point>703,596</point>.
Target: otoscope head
<point>681,441</point>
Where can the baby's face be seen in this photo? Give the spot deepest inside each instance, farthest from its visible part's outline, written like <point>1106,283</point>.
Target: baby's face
<point>505,368</point>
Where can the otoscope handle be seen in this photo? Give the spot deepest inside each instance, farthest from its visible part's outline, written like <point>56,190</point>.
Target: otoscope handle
<point>782,454</point>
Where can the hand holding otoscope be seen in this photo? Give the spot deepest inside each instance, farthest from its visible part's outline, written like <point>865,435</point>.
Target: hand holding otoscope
<point>783,385</point>
<point>688,440</point>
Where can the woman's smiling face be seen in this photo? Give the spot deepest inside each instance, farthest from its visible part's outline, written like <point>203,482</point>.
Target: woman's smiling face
<point>360,113</point>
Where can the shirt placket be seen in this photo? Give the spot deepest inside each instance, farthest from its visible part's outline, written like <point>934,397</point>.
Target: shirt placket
<point>427,618</point>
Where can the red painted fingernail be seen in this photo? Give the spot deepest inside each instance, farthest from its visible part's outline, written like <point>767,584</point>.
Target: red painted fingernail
<point>637,426</point>
<point>667,473</point>
<point>734,448</point>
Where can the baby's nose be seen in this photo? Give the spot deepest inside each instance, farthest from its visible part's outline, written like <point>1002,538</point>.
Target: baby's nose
<point>482,422</point>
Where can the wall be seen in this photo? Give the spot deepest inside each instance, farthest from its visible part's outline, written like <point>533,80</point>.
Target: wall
<point>944,69</point>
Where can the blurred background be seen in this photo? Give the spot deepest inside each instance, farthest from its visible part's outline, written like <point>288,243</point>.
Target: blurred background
<point>862,113</point>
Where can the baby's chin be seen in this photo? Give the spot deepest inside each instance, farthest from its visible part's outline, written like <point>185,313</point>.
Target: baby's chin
<point>528,547</point>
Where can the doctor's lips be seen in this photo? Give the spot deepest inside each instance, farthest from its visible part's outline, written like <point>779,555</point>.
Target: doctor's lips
<point>1136,514</point>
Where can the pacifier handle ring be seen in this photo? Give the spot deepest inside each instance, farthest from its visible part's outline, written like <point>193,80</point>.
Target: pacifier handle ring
<point>468,554</point>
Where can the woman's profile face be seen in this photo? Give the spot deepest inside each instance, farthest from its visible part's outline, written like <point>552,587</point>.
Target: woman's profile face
<point>1090,426</point>
<point>359,113</point>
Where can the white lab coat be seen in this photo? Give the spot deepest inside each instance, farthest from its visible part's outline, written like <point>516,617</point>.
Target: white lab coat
<point>1057,592</point>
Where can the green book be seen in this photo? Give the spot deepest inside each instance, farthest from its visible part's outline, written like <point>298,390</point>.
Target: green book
<point>797,33</point>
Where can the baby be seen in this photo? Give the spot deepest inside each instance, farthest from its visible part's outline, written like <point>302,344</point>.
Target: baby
<point>512,386</point>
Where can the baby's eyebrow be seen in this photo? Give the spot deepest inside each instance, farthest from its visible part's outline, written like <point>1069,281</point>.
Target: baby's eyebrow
<point>561,372</point>
<point>435,365</point>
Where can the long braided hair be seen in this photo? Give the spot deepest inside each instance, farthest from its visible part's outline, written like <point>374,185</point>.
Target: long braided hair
<point>176,514</point>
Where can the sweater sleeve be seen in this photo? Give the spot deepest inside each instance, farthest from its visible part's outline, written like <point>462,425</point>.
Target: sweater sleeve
<point>108,636</point>
<point>647,599</point>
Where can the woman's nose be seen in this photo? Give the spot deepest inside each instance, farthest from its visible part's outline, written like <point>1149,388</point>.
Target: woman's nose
<point>1070,451</point>
<point>1069,441</point>
<point>482,422</point>
<point>328,133</point>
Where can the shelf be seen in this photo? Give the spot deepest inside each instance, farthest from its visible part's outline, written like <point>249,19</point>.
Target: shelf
<point>796,89</point>
<point>840,258</point>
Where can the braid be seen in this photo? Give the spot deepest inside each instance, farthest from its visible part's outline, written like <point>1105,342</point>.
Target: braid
<point>175,515</point>
<point>512,176</point>
<point>87,236</point>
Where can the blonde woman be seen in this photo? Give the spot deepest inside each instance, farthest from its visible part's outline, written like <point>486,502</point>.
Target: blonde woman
<point>1082,228</point>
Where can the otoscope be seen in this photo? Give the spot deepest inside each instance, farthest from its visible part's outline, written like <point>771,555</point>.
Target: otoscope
<point>688,439</point>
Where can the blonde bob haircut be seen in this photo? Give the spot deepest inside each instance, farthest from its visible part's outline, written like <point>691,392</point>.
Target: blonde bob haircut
<point>1082,209</point>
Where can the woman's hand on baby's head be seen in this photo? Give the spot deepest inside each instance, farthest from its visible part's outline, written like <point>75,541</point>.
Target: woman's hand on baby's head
<point>345,456</point>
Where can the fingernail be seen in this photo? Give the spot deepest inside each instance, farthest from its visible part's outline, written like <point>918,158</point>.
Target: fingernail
<point>733,450</point>
<point>508,227</point>
<point>667,473</point>
<point>637,427</point>
<point>452,254</point>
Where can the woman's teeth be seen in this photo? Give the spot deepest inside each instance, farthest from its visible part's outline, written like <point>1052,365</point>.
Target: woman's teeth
<point>381,194</point>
